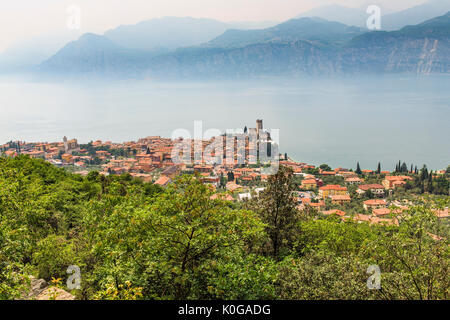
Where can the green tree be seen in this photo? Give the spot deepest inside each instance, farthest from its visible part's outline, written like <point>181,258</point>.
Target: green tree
<point>325,167</point>
<point>358,169</point>
<point>277,209</point>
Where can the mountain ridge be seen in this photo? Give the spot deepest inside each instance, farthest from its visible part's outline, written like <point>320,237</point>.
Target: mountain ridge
<point>423,48</point>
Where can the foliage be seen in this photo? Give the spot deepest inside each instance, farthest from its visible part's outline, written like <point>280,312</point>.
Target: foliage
<point>135,240</point>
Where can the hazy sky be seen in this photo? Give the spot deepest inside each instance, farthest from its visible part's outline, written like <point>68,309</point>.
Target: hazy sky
<point>24,19</point>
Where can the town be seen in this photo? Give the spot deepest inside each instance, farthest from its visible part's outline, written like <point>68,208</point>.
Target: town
<point>373,196</point>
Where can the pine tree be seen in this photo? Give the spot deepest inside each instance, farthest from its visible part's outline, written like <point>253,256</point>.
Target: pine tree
<point>424,173</point>
<point>404,168</point>
<point>245,129</point>
<point>430,182</point>
<point>358,169</point>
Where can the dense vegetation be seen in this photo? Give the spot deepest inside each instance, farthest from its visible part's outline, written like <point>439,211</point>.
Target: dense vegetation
<point>134,240</point>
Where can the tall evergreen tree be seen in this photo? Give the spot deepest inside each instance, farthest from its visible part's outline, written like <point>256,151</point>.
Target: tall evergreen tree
<point>424,173</point>
<point>379,168</point>
<point>430,182</point>
<point>404,168</point>
<point>358,169</point>
<point>278,210</point>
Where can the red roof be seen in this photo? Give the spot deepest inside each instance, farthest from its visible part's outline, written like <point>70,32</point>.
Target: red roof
<point>375,202</point>
<point>337,212</point>
<point>333,187</point>
<point>366,187</point>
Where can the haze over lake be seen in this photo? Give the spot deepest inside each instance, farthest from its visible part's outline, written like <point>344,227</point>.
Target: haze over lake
<point>338,121</point>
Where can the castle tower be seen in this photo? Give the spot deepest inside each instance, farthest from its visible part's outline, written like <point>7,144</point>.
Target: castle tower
<point>66,147</point>
<point>259,125</point>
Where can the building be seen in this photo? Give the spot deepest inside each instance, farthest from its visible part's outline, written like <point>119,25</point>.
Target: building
<point>353,180</point>
<point>392,182</point>
<point>163,181</point>
<point>70,145</point>
<point>340,199</point>
<point>376,189</point>
<point>331,190</point>
<point>375,204</point>
<point>335,211</point>
<point>309,184</point>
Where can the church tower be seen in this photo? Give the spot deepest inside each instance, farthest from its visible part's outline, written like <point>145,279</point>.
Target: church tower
<point>66,147</point>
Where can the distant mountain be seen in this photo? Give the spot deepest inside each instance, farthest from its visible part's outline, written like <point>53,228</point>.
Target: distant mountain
<point>423,49</point>
<point>167,33</point>
<point>389,21</point>
<point>26,54</point>
<point>415,15</point>
<point>95,54</point>
<point>287,49</point>
<point>314,29</point>
<point>251,25</point>
<point>335,12</point>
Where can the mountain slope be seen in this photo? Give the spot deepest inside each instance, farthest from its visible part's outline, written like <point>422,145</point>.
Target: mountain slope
<point>314,29</point>
<point>423,49</point>
<point>97,55</point>
<point>415,15</point>
<point>389,21</point>
<point>334,12</point>
<point>167,33</point>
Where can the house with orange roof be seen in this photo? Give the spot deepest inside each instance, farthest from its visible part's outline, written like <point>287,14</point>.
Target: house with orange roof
<point>329,190</point>
<point>11,153</point>
<point>327,173</point>
<point>340,199</point>
<point>381,212</point>
<point>317,205</point>
<point>232,186</point>
<point>391,182</point>
<point>222,196</point>
<point>375,189</point>
<point>309,184</point>
<point>335,211</point>
<point>375,204</point>
<point>163,181</point>
<point>353,180</point>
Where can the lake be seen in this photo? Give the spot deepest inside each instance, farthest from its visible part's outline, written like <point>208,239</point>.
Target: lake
<point>337,121</point>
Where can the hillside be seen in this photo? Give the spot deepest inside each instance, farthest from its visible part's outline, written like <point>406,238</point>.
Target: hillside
<point>297,47</point>
<point>314,29</point>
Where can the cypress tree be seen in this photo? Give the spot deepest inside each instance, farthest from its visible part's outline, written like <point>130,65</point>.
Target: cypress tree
<point>404,168</point>
<point>358,169</point>
<point>379,168</point>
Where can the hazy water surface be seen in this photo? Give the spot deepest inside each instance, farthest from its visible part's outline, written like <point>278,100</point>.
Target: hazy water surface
<point>334,121</point>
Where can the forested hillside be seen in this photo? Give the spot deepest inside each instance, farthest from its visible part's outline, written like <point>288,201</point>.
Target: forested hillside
<point>135,240</point>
